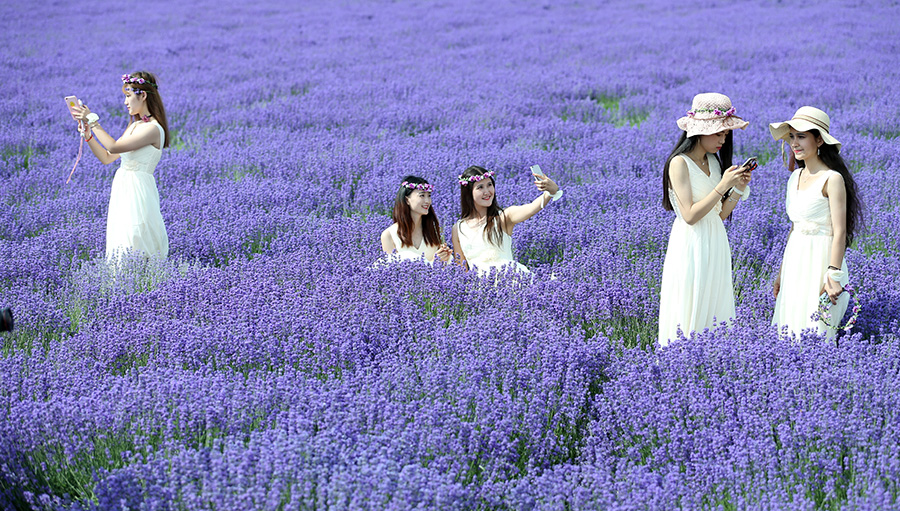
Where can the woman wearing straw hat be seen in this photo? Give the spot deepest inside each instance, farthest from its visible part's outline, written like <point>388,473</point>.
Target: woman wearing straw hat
<point>824,208</point>
<point>696,288</point>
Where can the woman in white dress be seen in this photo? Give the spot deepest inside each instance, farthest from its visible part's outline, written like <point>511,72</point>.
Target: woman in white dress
<point>416,232</point>
<point>824,208</point>
<point>134,221</point>
<point>482,239</point>
<point>696,289</point>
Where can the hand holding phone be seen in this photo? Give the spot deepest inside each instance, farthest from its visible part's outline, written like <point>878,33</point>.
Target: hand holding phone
<point>536,171</point>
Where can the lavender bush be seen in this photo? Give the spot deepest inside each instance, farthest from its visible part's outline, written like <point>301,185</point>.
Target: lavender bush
<point>267,364</point>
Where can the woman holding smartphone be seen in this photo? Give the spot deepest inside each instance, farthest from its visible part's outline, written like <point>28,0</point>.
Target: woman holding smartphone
<point>134,221</point>
<point>696,288</point>
<point>824,208</point>
<point>483,237</point>
<point>416,232</point>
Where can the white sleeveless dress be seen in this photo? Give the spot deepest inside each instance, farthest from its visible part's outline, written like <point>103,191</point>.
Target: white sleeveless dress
<point>134,221</point>
<point>696,290</point>
<point>806,258</point>
<point>483,255</point>
<point>406,253</point>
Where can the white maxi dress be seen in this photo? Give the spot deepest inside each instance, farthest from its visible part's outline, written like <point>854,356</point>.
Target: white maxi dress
<point>696,290</point>
<point>807,256</point>
<point>134,221</point>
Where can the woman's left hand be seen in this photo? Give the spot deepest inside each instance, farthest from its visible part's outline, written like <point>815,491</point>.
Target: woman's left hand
<point>81,112</point>
<point>444,253</point>
<point>545,184</point>
<point>833,289</point>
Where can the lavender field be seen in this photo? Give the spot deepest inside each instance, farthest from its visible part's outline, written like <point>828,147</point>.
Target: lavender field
<point>268,364</point>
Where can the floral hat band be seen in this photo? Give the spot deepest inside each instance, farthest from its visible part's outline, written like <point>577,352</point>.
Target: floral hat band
<point>716,113</point>
<point>711,113</point>
<point>474,179</point>
<point>417,186</point>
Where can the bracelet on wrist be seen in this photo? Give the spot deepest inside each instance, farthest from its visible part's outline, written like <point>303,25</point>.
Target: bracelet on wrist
<point>720,193</point>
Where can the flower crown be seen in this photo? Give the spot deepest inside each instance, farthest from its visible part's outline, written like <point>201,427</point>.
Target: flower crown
<point>418,186</point>
<point>474,179</point>
<point>823,313</point>
<point>715,111</point>
<point>126,78</point>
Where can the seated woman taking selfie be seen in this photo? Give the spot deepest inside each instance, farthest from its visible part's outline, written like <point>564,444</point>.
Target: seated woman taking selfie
<point>482,239</point>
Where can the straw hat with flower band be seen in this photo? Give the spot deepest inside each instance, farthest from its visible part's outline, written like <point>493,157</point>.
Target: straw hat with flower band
<point>806,118</point>
<point>710,113</point>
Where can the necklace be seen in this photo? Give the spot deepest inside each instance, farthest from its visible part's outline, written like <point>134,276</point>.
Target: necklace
<point>701,163</point>
<point>807,177</point>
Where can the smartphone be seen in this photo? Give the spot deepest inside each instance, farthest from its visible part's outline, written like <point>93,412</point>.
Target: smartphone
<point>751,163</point>
<point>536,170</point>
<point>72,102</point>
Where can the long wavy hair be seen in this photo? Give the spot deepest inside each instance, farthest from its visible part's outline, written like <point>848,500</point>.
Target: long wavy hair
<point>686,144</point>
<point>150,88</point>
<point>832,159</point>
<point>431,228</point>
<point>492,227</point>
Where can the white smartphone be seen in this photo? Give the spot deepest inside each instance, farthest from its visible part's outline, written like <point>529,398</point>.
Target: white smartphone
<point>72,102</point>
<point>536,170</point>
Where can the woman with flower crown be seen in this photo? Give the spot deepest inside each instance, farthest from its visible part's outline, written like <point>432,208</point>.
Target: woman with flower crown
<point>824,208</point>
<point>482,239</point>
<point>416,232</point>
<point>134,221</point>
<point>696,289</point>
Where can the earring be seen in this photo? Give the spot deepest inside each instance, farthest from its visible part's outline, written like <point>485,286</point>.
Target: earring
<point>818,151</point>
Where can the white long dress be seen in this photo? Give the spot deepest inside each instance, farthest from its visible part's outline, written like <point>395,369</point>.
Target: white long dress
<point>806,259</point>
<point>409,252</point>
<point>483,255</point>
<point>134,221</point>
<point>696,290</point>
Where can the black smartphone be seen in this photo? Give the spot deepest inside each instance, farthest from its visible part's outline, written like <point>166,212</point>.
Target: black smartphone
<point>751,163</point>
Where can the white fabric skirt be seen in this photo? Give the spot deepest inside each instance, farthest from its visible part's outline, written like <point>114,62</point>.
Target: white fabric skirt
<point>134,221</point>
<point>696,290</point>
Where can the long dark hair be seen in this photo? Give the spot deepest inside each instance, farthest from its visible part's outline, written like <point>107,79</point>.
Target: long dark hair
<point>492,225</point>
<point>832,159</point>
<point>150,87</point>
<point>686,144</point>
<point>431,228</point>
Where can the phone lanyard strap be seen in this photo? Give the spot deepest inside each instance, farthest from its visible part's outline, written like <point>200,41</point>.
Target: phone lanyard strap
<point>80,149</point>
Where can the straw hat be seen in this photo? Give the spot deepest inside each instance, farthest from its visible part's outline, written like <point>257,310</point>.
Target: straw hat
<point>710,113</point>
<point>807,118</point>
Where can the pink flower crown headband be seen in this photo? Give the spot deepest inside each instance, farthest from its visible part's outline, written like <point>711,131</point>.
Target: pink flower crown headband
<point>126,78</point>
<point>418,186</point>
<point>715,111</point>
<point>474,179</point>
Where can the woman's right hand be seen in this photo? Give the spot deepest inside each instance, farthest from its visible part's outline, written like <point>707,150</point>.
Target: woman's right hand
<point>733,176</point>
<point>444,253</point>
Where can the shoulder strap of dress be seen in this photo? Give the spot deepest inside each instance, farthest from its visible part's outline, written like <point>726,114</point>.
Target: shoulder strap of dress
<point>459,227</point>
